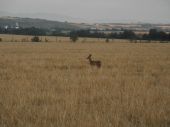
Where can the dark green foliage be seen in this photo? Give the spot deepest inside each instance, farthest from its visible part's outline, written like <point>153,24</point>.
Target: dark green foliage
<point>73,36</point>
<point>156,35</point>
<point>128,34</point>
<point>35,39</point>
<point>0,39</point>
<point>24,31</point>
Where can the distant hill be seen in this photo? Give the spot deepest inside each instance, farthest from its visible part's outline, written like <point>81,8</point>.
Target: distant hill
<point>38,23</point>
<point>42,15</point>
<point>49,24</point>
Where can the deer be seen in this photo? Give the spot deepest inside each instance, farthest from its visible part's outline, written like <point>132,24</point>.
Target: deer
<point>93,62</point>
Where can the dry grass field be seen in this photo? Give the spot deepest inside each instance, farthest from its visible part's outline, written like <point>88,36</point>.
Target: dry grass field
<point>53,85</point>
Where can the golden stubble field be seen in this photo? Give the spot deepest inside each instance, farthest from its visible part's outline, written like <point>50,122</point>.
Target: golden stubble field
<point>53,85</point>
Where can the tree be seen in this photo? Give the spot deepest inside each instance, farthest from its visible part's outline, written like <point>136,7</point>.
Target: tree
<point>128,34</point>
<point>169,36</point>
<point>35,39</point>
<point>162,36</point>
<point>153,34</point>
<point>74,36</point>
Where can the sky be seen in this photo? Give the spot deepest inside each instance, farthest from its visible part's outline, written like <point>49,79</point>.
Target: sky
<point>151,11</point>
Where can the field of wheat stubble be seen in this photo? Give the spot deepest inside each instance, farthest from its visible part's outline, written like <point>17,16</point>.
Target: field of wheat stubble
<point>53,85</point>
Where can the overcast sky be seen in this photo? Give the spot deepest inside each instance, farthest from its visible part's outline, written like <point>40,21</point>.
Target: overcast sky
<point>156,11</point>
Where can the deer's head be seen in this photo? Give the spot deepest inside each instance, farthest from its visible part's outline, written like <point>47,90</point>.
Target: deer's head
<point>89,57</point>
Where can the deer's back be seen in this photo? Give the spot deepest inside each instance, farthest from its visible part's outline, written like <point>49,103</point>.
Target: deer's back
<point>96,63</point>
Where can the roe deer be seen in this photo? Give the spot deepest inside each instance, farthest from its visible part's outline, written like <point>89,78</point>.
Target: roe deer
<point>94,63</point>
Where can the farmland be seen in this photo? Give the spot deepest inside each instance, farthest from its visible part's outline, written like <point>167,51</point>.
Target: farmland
<point>52,84</point>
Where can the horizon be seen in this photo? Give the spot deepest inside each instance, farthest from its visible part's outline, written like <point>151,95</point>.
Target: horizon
<point>13,15</point>
<point>112,11</point>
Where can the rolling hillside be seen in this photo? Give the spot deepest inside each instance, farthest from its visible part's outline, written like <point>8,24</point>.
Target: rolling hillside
<point>38,23</point>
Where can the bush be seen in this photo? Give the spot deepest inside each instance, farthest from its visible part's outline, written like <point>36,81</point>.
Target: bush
<point>0,39</point>
<point>35,39</point>
<point>73,36</point>
<point>107,40</point>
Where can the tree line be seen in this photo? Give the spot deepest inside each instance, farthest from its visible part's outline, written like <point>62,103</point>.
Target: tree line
<point>126,34</point>
<point>74,34</point>
<point>24,31</point>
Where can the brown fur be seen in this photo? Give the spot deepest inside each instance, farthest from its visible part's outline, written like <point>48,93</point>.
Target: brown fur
<point>94,63</point>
